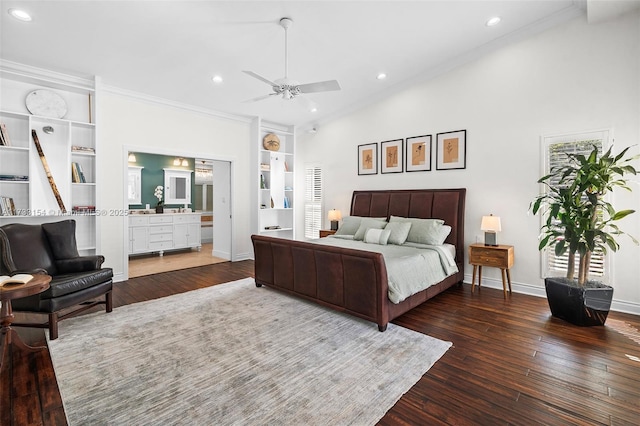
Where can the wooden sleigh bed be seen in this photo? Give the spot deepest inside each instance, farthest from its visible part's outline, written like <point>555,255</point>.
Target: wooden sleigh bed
<point>355,281</point>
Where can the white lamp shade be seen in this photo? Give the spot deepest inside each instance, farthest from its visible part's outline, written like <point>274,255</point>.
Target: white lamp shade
<point>335,215</point>
<point>491,223</point>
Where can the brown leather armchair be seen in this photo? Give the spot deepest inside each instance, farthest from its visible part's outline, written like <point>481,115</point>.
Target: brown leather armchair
<point>50,248</point>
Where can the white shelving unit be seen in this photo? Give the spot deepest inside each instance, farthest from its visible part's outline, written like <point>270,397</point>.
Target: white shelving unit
<point>272,178</point>
<point>33,198</point>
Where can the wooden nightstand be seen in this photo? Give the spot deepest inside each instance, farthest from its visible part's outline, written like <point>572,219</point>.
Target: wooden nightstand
<point>496,256</point>
<point>326,232</point>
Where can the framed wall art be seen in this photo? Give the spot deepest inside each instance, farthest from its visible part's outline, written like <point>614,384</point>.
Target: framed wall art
<point>418,153</point>
<point>391,156</point>
<point>451,150</point>
<point>368,159</point>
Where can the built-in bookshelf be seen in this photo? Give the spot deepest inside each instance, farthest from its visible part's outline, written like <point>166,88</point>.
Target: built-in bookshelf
<point>68,144</point>
<point>272,180</point>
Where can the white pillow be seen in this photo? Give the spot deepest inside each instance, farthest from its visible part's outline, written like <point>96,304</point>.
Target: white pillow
<point>423,231</point>
<point>377,236</point>
<point>366,223</point>
<point>444,233</point>
<point>399,232</point>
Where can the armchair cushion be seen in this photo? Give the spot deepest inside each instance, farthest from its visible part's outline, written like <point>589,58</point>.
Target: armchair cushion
<point>70,283</point>
<point>79,264</point>
<point>62,238</point>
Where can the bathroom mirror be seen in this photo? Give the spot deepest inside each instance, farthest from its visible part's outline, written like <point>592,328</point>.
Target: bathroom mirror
<point>177,186</point>
<point>135,184</point>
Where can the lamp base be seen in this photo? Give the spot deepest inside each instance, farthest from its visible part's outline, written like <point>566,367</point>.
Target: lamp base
<point>334,225</point>
<point>490,239</point>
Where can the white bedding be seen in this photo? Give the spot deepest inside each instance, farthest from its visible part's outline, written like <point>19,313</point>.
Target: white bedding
<point>411,267</point>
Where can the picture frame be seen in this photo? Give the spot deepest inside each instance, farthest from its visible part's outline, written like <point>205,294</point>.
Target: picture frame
<point>368,159</point>
<point>451,150</point>
<point>391,159</point>
<point>418,153</point>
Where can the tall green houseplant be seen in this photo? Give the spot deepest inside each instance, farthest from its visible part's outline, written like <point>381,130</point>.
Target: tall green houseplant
<point>579,219</point>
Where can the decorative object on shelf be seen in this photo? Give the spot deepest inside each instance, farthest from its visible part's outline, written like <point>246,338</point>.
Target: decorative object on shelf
<point>48,130</point>
<point>491,226</point>
<point>47,171</point>
<point>418,153</point>
<point>391,156</point>
<point>580,220</point>
<point>272,204</point>
<point>287,204</point>
<point>368,159</point>
<point>158,194</point>
<point>271,142</point>
<point>46,103</point>
<point>262,185</point>
<point>334,216</point>
<point>451,150</point>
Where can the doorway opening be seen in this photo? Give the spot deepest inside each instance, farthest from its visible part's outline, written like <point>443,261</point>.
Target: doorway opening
<point>195,233</point>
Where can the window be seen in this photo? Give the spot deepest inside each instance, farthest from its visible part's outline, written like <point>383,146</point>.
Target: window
<point>554,150</point>
<point>312,201</point>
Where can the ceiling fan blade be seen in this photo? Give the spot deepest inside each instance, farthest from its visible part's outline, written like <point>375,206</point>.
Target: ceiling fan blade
<point>259,98</point>
<point>321,86</point>
<point>261,78</point>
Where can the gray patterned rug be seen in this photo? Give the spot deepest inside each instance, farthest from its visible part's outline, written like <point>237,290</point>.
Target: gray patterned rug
<point>234,354</point>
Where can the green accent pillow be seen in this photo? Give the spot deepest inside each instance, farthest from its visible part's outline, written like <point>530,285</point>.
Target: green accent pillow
<point>349,226</point>
<point>399,232</point>
<point>377,236</point>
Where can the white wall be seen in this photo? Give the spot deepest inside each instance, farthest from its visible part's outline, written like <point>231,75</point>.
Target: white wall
<point>127,123</point>
<point>574,77</point>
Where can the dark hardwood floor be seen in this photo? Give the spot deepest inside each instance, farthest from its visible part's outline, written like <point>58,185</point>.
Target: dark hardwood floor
<point>511,363</point>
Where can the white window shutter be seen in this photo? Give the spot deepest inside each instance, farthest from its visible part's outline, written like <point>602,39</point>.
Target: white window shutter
<point>312,201</point>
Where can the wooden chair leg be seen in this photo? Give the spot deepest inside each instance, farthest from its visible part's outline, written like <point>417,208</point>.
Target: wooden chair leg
<point>53,326</point>
<point>109,301</point>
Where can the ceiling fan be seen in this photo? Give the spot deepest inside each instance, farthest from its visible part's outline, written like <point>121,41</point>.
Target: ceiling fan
<point>287,87</point>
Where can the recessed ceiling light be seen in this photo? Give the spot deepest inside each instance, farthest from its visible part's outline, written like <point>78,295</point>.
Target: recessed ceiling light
<point>20,14</point>
<point>381,76</point>
<point>313,109</point>
<point>493,21</point>
<point>217,79</point>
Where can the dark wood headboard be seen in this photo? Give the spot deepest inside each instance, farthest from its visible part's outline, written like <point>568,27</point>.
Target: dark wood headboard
<point>446,204</point>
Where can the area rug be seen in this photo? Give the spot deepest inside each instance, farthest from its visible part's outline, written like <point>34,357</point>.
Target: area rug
<point>234,354</point>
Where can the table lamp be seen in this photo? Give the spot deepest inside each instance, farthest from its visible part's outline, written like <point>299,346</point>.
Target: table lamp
<point>334,217</point>
<point>491,226</point>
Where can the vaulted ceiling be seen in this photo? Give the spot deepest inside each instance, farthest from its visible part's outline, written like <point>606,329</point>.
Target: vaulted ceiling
<point>172,49</point>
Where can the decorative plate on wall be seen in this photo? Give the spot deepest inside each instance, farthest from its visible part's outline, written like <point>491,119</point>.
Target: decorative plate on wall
<point>46,103</point>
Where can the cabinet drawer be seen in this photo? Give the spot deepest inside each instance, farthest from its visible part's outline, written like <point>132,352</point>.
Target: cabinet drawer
<point>186,218</point>
<point>167,229</point>
<point>160,237</point>
<point>160,219</point>
<point>160,245</point>
<point>498,261</point>
<point>138,221</point>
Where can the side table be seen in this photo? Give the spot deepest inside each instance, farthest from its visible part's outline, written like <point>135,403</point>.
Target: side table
<point>501,256</point>
<point>326,232</point>
<point>8,292</point>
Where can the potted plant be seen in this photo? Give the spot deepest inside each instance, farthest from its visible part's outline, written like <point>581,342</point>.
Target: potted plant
<point>580,221</point>
<point>158,194</point>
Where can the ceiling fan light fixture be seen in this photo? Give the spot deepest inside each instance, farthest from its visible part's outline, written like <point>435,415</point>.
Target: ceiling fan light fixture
<point>492,22</point>
<point>216,79</point>
<point>20,15</point>
<point>381,76</point>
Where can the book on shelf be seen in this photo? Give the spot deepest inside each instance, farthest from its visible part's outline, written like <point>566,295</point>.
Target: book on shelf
<point>272,227</point>
<point>265,167</point>
<point>20,178</point>
<point>286,167</point>
<point>83,209</point>
<point>77,175</point>
<point>4,135</point>
<point>87,149</point>
<point>7,206</point>
<point>15,279</point>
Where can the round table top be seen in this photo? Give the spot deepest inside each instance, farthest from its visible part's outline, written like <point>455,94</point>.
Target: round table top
<point>37,284</point>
